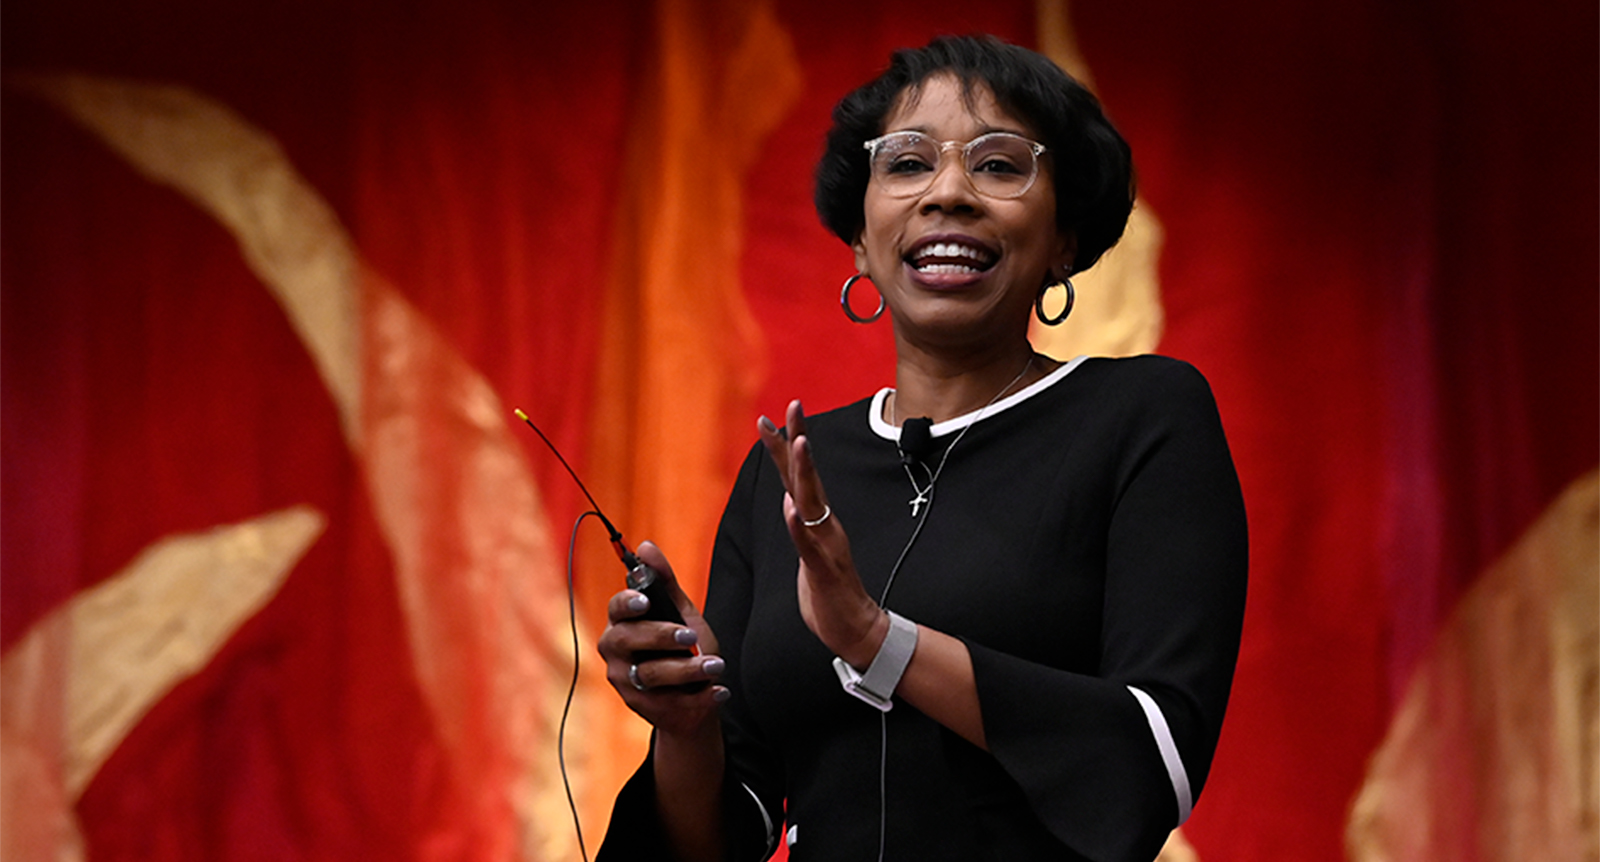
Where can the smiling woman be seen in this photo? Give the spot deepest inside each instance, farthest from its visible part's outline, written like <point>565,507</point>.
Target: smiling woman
<point>1041,564</point>
<point>958,264</point>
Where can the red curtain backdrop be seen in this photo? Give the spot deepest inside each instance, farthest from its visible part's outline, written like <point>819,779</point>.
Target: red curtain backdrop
<point>1381,231</point>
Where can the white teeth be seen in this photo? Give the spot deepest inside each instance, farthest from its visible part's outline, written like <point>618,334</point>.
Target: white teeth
<point>951,249</point>
<point>947,268</point>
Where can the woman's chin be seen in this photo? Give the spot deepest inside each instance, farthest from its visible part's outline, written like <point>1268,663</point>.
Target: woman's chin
<point>954,321</point>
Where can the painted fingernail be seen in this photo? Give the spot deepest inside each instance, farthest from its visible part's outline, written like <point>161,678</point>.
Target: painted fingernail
<point>686,637</point>
<point>720,694</point>
<point>638,604</point>
<point>712,666</point>
<point>767,426</point>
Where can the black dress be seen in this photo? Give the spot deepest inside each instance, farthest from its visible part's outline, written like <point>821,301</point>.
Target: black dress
<point>1086,541</point>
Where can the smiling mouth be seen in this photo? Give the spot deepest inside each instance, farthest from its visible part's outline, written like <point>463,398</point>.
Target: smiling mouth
<point>950,257</point>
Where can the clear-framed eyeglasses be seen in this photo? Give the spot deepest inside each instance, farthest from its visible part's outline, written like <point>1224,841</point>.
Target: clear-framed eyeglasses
<point>999,164</point>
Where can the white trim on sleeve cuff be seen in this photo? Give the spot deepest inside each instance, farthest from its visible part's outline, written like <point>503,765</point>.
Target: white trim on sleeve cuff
<point>1169,752</point>
<point>766,820</point>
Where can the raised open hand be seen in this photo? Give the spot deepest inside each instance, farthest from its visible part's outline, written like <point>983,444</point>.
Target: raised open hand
<point>833,603</point>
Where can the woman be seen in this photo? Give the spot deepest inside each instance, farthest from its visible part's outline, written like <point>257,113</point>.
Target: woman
<point>1013,640</point>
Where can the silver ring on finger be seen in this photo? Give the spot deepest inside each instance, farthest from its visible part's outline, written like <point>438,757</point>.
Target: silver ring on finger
<point>633,677</point>
<point>827,512</point>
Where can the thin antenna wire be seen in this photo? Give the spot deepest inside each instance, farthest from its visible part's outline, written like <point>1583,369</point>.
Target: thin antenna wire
<point>616,535</point>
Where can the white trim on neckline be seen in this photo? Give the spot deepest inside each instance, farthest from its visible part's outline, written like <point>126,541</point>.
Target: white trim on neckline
<point>890,432</point>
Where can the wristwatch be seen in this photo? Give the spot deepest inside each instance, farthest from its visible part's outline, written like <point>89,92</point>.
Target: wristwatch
<point>877,685</point>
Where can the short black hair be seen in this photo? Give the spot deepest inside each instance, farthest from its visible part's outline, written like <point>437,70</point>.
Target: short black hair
<point>1093,165</point>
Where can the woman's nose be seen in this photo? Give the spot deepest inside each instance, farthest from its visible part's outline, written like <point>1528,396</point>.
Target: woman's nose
<point>951,187</point>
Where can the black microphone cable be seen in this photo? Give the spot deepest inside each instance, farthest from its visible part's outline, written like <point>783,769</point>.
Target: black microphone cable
<point>572,687</point>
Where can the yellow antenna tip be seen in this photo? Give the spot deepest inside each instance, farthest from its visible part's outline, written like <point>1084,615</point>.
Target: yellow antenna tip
<point>520,415</point>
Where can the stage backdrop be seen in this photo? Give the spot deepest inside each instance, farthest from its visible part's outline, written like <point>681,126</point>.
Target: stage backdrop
<point>283,579</point>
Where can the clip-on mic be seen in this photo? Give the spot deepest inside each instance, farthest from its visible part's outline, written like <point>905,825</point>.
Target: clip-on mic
<point>916,440</point>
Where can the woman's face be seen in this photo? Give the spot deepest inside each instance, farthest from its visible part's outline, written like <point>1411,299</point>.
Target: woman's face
<point>955,267</point>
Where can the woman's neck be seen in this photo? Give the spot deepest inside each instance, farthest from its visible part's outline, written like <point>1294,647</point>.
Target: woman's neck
<point>943,388</point>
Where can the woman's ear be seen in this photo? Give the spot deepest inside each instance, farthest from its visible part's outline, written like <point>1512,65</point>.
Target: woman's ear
<point>860,248</point>
<point>1066,253</point>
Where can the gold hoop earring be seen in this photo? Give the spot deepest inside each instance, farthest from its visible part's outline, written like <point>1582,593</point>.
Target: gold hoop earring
<point>844,300</point>
<point>1038,303</point>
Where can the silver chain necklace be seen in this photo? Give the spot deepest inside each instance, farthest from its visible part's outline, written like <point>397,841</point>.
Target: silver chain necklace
<point>924,496</point>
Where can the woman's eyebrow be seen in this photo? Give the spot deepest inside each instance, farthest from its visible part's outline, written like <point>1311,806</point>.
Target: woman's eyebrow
<point>983,129</point>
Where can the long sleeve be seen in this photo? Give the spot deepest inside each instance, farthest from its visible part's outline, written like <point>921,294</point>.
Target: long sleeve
<point>754,767</point>
<point>1086,749</point>
<point>751,816</point>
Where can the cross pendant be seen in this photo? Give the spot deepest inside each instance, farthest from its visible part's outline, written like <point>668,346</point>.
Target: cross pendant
<point>916,503</point>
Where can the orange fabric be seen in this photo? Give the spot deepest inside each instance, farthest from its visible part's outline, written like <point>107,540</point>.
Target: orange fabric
<point>680,354</point>
<point>1494,755</point>
<point>479,579</point>
<point>453,496</point>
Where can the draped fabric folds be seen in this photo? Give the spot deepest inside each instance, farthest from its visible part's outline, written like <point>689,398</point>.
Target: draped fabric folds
<point>1495,751</point>
<point>282,580</point>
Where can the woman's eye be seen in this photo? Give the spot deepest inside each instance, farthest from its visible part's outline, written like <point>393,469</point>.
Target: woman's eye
<point>907,165</point>
<point>995,165</point>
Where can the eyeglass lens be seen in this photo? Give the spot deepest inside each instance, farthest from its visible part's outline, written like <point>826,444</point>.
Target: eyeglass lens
<point>999,164</point>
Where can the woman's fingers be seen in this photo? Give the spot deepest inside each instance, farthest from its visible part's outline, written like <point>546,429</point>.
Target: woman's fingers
<point>805,486</point>
<point>672,694</point>
<point>654,667</point>
<point>833,603</point>
<point>795,418</point>
<point>655,559</point>
<point>824,548</point>
<point>628,633</point>
<point>816,531</point>
<point>777,447</point>
<point>662,669</point>
<point>803,482</point>
<point>665,675</point>
<point>652,556</point>
<point>791,454</point>
<point>631,605</point>
<point>626,605</point>
<point>781,446</point>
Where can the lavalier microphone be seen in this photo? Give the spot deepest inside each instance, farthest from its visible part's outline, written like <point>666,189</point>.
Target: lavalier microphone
<point>916,440</point>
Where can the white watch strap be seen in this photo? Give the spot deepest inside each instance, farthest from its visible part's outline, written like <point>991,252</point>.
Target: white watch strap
<point>877,685</point>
